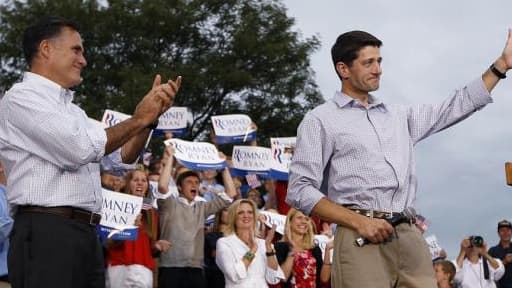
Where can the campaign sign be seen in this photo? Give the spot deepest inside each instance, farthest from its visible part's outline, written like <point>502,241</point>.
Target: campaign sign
<point>250,160</point>
<point>282,151</point>
<point>173,120</point>
<point>274,218</point>
<point>233,128</point>
<point>118,214</point>
<point>433,246</point>
<point>111,117</point>
<point>196,155</point>
<point>321,241</point>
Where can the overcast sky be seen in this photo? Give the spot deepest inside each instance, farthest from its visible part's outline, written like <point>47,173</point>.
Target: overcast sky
<point>430,49</point>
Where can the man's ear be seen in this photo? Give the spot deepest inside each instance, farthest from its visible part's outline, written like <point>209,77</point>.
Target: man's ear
<point>343,70</point>
<point>45,48</point>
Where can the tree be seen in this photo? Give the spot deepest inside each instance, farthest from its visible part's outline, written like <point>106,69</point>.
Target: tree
<point>235,56</point>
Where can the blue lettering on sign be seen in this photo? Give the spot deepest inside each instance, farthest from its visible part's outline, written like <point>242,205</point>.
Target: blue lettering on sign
<point>230,123</point>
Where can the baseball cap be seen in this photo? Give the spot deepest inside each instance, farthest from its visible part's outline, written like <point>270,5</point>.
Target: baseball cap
<point>504,223</point>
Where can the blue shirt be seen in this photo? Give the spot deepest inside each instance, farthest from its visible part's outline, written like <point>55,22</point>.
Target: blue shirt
<point>5,228</point>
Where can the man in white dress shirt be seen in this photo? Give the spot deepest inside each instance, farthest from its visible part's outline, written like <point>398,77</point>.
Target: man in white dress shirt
<point>51,151</point>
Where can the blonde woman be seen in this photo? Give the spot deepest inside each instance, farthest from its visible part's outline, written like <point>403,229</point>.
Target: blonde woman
<point>245,260</point>
<point>299,258</point>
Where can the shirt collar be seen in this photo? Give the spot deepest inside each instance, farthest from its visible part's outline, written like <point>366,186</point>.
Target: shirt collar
<point>342,100</point>
<point>56,91</point>
<point>186,202</point>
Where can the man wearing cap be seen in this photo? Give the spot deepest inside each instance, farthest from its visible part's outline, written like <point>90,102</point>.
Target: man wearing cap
<point>503,251</point>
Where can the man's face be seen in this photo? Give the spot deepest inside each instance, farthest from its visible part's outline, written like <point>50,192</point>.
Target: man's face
<point>66,58</point>
<point>190,187</point>
<point>505,234</point>
<point>364,74</point>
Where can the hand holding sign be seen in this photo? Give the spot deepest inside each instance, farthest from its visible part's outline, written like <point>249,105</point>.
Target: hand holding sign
<point>196,155</point>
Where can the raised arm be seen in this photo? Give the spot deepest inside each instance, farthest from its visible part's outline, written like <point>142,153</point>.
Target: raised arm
<point>166,172</point>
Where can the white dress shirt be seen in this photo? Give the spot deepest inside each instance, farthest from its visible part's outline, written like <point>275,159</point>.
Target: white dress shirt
<point>231,250</point>
<point>50,148</point>
<point>471,275</point>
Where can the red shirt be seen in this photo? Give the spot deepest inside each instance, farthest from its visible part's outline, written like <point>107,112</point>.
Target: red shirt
<point>133,251</point>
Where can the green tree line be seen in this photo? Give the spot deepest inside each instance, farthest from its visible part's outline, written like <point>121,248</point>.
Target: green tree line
<point>235,56</point>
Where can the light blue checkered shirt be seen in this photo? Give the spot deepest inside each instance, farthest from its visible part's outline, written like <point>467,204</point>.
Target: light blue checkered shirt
<point>364,156</point>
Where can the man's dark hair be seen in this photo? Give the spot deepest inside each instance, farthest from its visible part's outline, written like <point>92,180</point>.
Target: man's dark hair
<point>184,175</point>
<point>46,28</point>
<point>347,46</point>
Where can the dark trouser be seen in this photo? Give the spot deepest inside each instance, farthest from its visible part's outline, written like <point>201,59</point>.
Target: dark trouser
<point>180,277</point>
<point>404,262</point>
<point>53,251</point>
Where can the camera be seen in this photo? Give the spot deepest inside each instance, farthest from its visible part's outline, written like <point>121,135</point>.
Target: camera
<point>477,241</point>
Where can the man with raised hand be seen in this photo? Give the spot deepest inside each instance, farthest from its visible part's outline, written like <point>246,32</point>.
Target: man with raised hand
<point>359,151</point>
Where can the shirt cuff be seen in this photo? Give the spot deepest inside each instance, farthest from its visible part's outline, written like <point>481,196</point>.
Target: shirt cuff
<point>305,199</point>
<point>478,93</point>
<point>274,276</point>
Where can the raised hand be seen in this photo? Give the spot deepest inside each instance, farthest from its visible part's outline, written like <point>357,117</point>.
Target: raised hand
<point>158,100</point>
<point>507,51</point>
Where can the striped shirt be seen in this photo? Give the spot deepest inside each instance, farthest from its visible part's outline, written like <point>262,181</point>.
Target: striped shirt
<point>363,156</point>
<point>50,148</point>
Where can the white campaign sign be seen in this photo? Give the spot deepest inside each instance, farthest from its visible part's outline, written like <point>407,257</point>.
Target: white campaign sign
<point>111,117</point>
<point>119,211</point>
<point>233,128</point>
<point>251,158</point>
<point>433,246</point>
<point>274,218</point>
<point>196,155</point>
<point>282,152</point>
<point>173,119</point>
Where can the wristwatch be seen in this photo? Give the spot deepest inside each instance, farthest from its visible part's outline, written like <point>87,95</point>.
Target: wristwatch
<point>272,252</point>
<point>497,72</point>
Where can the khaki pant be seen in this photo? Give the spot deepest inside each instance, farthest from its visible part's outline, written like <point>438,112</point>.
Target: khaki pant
<point>404,262</point>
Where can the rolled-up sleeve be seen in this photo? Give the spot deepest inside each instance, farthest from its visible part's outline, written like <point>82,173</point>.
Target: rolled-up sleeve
<point>498,272</point>
<point>274,276</point>
<point>312,153</point>
<point>234,269</point>
<point>425,120</point>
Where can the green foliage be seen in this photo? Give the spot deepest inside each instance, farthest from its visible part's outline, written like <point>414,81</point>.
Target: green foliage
<point>235,56</point>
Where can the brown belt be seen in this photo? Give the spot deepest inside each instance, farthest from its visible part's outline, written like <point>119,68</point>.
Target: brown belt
<point>374,213</point>
<point>78,214</point>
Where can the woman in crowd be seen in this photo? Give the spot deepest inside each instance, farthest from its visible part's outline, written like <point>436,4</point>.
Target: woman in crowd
<point>444,272</point>
<point>475,267</point>
<point>130,263</point>
<point>299,258</point>
<point>214,276</point>
<point>245,260</point>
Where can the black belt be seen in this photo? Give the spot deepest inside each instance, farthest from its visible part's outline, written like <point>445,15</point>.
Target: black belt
<point>78,214</point>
